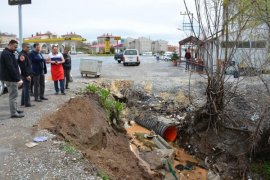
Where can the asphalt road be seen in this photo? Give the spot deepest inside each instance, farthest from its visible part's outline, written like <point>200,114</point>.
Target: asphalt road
<point>162,75</point>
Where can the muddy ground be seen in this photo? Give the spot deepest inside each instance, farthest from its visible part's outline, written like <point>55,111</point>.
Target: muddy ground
<point>228,150</point>
<point>82,122</point>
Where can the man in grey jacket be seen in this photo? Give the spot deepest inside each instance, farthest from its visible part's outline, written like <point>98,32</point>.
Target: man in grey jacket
<point>10,74</point>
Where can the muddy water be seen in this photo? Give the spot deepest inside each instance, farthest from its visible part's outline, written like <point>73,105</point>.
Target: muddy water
<point>181,157</point>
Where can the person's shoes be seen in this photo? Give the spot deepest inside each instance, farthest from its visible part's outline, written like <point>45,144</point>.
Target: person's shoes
<point>43,98</point>
<point>29,105</point>
<point>63,93</point>
<point>38,100</point>
<point>56,93</point>
<point>22,104</point>
<point>20,112</point>
<point>67,87</point>
<point>17,116</point>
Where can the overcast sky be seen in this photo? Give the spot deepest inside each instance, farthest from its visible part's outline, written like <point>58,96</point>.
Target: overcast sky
<point>157,19</point>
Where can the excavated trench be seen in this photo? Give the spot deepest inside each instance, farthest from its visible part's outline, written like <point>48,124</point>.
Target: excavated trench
<point>84,123</point>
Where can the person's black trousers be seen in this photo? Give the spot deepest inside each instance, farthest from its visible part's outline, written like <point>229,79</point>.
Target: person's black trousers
<point>67,77</point>
<point>25,99</point>
<point>39,86</point>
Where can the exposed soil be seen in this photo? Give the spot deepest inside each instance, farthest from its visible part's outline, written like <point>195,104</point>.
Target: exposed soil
<point>82,122</point>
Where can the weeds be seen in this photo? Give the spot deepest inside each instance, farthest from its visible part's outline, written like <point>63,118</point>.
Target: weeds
<point>91,88</point>
<point>68,148</point>
<point>103,175</point>
<point>114,108</point>
<point>262,169</point>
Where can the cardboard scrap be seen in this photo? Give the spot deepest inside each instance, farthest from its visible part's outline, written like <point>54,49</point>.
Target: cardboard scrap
<point>31,144</point>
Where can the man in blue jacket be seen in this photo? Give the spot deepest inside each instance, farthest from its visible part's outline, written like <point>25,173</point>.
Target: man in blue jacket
<point>39,70</point>
<point>10,74</point>
<point>26,72</point>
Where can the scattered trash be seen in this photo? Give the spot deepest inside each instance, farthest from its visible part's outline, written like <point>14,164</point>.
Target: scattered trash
<point>212,176</point>
<point>255,117</point>
<point>190,109</point>
<point>126,125</point>
<point>31,144</point>
<point>161,143</point>
<point>40,139</point>
<point>149,136</point>
<point>180,167</point>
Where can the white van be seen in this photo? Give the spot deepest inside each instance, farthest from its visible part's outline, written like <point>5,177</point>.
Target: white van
<point>131,56</point>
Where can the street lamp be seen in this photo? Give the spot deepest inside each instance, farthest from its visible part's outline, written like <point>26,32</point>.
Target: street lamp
<point>19,3</point>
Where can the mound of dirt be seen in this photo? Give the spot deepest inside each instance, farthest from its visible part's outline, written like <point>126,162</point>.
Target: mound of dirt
<point>82,122</point>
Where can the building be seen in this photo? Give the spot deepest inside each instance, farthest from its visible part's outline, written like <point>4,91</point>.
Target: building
<point>172,48</point>
<point>47,35</point>
<point>71,35</point>
<point>128,42</point>
<point>244,46</point>
<point>5,38</point>
<point>101,39</point>
<point>48,39</point>
<point>100,46</point>
<point>159,46</point>
<point>142,44</point>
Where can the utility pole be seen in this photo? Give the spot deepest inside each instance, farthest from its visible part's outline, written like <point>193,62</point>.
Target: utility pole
<point>188,26</point>
<point>20,25</point>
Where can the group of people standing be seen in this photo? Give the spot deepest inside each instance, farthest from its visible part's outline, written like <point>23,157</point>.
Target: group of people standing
<point>29,70</point>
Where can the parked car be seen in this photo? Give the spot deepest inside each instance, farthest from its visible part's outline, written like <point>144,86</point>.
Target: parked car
<point>131,56</point>
<point>118,57</point>
<point>167,57</point>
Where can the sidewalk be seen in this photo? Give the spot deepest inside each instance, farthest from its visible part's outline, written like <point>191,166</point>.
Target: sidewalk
<point>46,160</point>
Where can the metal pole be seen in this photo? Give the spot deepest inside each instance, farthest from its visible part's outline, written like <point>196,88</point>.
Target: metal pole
<point>20,25</point>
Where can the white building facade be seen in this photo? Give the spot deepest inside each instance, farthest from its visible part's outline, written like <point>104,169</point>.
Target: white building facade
<point>159,46</point>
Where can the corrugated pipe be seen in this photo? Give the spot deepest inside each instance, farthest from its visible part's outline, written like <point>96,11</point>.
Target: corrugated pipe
<point>167,131</point>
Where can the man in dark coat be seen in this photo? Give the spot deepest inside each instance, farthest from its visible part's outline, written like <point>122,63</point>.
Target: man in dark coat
<point>39,70</point>
<point>10,74</point>
<point>67,66</point>
<point>188,58</point>
<point>26,72</point>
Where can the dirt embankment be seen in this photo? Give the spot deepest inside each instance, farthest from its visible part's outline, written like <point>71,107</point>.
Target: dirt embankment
<point>82,122</point>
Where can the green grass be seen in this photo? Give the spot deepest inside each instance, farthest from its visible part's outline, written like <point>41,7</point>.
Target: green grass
<point>103,175</point>
<point>68,148</point>
<point>112,107</point>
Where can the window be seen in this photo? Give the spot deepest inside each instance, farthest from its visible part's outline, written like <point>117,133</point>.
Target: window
<point>131,52</point>
<point>229,44</point>
<point>243,44</point>
<point>258,44</point>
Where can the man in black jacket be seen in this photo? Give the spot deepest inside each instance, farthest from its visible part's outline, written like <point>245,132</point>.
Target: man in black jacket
<point>39,70</point>
<point>10,74</point>
<point>26,71</point>
<point>67,66</point>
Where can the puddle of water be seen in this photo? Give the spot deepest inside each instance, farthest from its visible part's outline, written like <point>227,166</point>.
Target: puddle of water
<point>181,157</point>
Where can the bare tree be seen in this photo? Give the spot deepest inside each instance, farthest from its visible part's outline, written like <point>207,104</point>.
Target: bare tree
<point>217,28</point>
